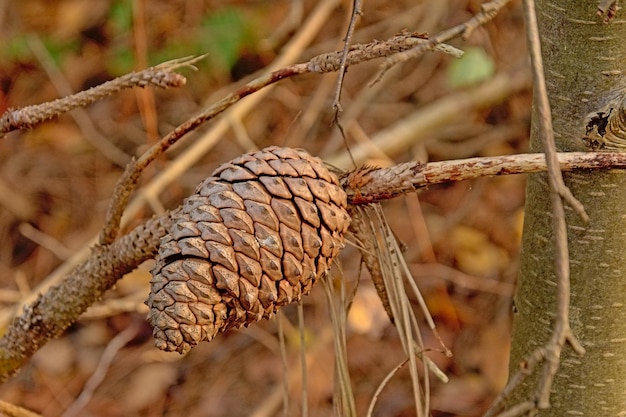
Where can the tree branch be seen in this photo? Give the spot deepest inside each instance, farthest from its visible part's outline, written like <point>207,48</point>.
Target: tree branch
<point>370,185</point>
<point>51,313</point>
<point>160,76</point>
<point>487,12</point>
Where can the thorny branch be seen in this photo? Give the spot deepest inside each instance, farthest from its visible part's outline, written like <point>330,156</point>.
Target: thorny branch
<point>57,309</point>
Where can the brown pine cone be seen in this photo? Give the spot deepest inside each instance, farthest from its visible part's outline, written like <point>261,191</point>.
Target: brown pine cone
<point>254,237</point>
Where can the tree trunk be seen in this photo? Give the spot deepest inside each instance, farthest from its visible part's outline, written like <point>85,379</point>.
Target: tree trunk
<point>584,60</point>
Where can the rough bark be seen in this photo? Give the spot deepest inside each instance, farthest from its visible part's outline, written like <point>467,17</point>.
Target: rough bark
<point>584,62</point>
<point>54,311</point>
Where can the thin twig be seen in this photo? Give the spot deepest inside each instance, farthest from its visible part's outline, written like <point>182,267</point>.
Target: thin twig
<point>431,117</point>
<point>561,331</point>
<point>382,385</point>
<point>487,12</point>
<point>162,75</point>
<point>113,347</point>
<point>525,370</point>
<point>356,11</point>
<point>393,267</point>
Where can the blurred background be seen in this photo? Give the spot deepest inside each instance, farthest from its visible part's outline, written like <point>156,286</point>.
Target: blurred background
<point>460,240</point>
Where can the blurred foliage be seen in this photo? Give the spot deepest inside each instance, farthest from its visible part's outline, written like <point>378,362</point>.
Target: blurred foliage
<point>473,67</point>
<point>121,57</point>
<point>223,34</point>
<point>227,33</point>
<point>16,49</point>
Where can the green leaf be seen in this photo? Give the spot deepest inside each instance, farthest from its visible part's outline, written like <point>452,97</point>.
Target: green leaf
<point>473,67</point>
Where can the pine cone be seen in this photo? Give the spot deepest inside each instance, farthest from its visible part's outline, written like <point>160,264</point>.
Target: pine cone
<point>254,237</point>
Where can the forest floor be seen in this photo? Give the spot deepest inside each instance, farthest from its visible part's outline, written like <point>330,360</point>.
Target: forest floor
<point>461,240</point>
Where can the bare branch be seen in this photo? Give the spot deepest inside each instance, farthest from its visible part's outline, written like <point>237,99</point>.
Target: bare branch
<point>368,185</point>
<point>488,12</point>
<point>356,11</point>
<point>525,369</point>
<point>558,193</point>
<point>160,76</point>
<point>51,313</point>
<point>113,347</point>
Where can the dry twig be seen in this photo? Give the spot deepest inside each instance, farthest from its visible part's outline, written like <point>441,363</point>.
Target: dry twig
<point>487,12</point>
<point>356,12</point>
<point>114,346</point>
<point>561,332</point>
<point>162,75</point>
